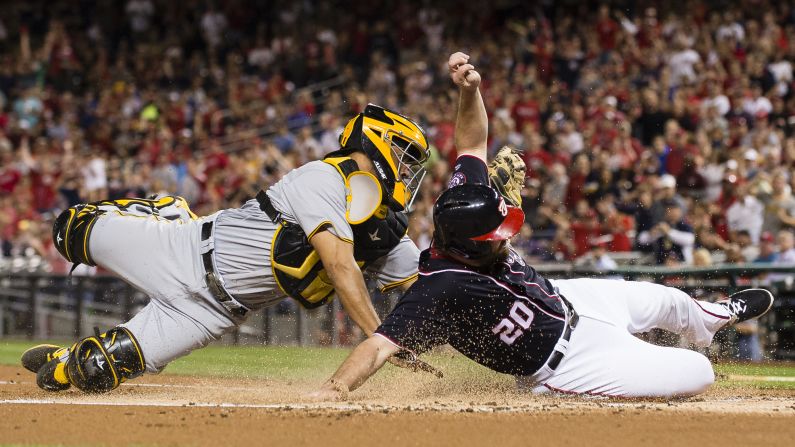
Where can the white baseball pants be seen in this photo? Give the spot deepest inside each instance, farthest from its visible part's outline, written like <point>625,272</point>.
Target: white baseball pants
<point>604,358</point>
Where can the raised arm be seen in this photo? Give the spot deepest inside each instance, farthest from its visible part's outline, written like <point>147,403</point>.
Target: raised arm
<point>472,124</point>
<point>338,261</point>
<point>507,170</point>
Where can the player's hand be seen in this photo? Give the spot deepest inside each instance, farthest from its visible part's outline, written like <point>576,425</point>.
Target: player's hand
<point>462,72</point>
<point>324,395</point>
<point>332,390</point>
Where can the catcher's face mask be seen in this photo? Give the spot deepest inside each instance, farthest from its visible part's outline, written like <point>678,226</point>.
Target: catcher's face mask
<point>409,158</point>
<point>397,147</point>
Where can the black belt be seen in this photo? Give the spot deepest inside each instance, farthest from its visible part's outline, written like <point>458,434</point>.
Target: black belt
<point>557,356</point>
<point>213,283</point>
<point>267,207</point>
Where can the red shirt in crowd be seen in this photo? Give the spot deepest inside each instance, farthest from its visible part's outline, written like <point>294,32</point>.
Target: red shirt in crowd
<point>619,226</point>
<point>526,111</point>
<point>574,192</point>
<point>536,159</point>
<point>217,160</point>
<point>583,232</point>
<point>607,30</point>
<point>42,186</point>
<point>9,177</point>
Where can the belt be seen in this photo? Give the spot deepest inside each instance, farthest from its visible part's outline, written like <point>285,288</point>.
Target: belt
<point>217,289</point>
<point>571,323</point>
<point>552,363</point>
<point>267,207</point>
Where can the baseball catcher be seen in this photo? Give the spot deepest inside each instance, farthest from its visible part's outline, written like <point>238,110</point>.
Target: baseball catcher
<point>574,336</point>
<point>312,235</point>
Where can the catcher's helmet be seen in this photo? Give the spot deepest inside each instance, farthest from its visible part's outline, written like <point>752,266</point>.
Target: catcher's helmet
<point>468,216</point>
<point>395,144</point>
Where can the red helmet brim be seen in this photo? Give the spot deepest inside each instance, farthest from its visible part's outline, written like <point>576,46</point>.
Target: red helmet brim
<point>507,229</point>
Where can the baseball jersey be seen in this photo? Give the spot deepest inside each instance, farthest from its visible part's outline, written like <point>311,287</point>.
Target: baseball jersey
<point>313,197</point>
<point>504,316</point>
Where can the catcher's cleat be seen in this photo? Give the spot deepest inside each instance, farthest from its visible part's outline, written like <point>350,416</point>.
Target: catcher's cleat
<point>34,358</point>
<point>747,304</point>
<point>52,376</point>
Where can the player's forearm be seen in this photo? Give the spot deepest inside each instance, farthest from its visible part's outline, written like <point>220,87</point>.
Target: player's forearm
<point>363,362</point>
<point>472,124</point>
<point>345,276</point>
<point>352,291</point>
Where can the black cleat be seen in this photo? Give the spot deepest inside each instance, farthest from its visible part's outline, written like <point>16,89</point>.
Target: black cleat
<point>748,304</point>
<point>34,358</point>
<point>52,376</point>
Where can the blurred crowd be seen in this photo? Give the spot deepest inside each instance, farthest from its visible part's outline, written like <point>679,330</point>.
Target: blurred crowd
<point>663,132</point>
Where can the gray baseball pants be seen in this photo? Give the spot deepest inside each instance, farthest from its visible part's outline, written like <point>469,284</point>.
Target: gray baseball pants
<point>162,258</point>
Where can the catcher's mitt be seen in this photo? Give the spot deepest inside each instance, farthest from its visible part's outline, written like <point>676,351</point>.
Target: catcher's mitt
<point>507,172</point>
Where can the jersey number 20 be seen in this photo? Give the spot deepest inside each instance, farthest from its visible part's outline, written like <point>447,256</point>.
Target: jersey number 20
<point>510,328</point>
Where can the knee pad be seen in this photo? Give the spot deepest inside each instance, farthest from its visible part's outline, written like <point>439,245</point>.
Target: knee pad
<point>100,363</point>
<point>71,231</point>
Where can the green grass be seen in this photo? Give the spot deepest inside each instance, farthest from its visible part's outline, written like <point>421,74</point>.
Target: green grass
<point>271,362</point>
<point>230,361</point>
<point>295,363</point>
<point>750,369</point>
<point>260,362</point>
<point>761,370</point>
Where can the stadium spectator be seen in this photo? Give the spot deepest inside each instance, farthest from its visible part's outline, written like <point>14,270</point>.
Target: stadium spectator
<point>702,257</point>
<point>745,214</point>
<point>671,240</point>
<point>767,248</point>
<point>597,258</point>
<point>779,205</point>
<point>786,248</point>
<point>630,111</point>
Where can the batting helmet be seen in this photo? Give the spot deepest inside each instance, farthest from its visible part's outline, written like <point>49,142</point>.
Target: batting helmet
<point>467,217</point>
<point>397,147</point>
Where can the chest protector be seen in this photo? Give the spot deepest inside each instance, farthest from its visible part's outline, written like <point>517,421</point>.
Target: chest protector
<point>376,231</point>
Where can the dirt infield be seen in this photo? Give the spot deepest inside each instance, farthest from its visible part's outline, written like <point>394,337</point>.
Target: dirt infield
<point>178,410</point>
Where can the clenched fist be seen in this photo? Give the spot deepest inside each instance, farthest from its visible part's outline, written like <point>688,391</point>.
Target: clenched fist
<point>462,72</point>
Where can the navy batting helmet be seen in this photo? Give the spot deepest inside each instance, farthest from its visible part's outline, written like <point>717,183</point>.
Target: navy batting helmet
<point>468,216</point>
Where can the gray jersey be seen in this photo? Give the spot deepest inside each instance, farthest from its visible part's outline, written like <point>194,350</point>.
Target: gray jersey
<point>312,196</point>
